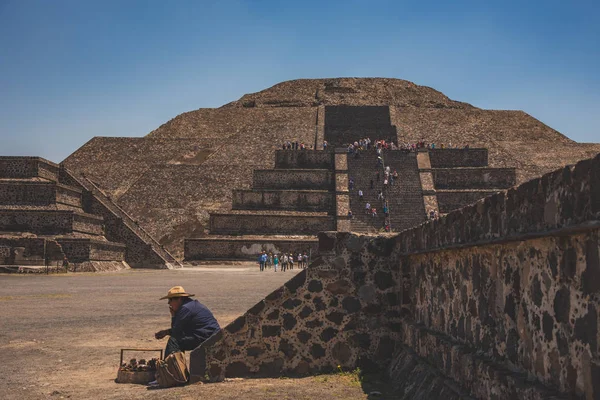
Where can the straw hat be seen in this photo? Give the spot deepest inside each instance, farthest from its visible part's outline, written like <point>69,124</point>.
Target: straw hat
<point>176,291</point>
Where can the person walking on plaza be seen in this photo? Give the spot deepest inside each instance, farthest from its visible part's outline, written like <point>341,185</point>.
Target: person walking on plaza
<point>275,262</point>
<point>269,260</point>
<point>262,260</point>
<point>305,257</point>
<point>284,262</point>
<point>291,261</point>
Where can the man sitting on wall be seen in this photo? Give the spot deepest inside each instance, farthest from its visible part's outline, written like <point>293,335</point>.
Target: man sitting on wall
<point>191,322</point>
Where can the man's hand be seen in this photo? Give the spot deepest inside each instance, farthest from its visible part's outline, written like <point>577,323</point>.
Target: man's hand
<point>161,334</point>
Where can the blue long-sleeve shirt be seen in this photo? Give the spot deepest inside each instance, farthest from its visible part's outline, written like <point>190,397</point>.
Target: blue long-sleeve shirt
<point>192,324</point>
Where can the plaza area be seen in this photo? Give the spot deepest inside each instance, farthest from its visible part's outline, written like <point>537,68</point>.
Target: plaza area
<point>61,334</point>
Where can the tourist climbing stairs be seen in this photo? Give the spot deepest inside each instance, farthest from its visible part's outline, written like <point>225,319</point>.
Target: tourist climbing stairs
<point>405,196</point>
<point>362,169</point>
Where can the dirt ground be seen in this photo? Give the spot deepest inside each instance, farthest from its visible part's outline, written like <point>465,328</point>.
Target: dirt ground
<point>60,335</point>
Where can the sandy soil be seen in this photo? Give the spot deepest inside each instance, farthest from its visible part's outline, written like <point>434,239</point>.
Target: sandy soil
<point>60,335</point>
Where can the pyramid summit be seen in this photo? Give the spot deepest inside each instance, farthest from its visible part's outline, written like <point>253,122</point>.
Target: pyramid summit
<point>173,178</point>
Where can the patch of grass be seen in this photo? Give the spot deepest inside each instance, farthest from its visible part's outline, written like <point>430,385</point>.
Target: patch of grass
<point>351,377</point>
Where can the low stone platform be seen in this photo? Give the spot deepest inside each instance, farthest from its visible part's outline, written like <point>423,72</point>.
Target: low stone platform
<point>312,179</point>
<point>81,250</point>
<point>293,200</point>
<point>271,223</point>
<point>295,159</point>
<point>40,193</point>
<point>83,254</point>
<point>28,167</point>
<point>449,200</point>
<point>49,216</point>
<point>245,247</point>
<point>454,158</point>
<point>50,221</point>
<point>474,178</point>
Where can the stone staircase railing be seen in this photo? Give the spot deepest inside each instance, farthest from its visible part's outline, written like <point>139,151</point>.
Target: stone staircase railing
<point>127,220</point>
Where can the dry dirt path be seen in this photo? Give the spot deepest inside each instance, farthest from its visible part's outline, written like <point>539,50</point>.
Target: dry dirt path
<point>60,335</point>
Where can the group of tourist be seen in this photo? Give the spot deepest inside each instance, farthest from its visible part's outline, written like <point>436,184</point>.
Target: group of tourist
<point>433,214</point>
<point>283,261</point>
<point>421,144</point>
<point>366,144</point>
<point>381,180</point>
<point>295,145</point>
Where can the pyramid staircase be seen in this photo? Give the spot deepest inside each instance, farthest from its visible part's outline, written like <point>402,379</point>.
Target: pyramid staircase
<point>405,196</point>
<point>50,217</point>
<point>282,212</point>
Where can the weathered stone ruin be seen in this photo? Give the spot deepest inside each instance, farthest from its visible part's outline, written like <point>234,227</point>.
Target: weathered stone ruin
<point>200,162</point>
<point>308,191</point>
<point>49,217</point>
<point>500,299</point>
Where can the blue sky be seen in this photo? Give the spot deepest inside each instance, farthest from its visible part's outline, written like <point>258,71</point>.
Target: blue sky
<point>71,70</point>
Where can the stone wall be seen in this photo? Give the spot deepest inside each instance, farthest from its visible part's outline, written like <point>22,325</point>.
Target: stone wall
<point>347,124</point>
<point>142,251</point>
<point>68,196</point>
<point>315,179</point>
<point>299,200</point>
<point>26,193</point>
<point>474,178</point>
<point>39,194</point>
<point>82,250</point>
<point>340,311</point>
<point>453,200</point>
<point>244,248</point>
<point>40,222</point>
<point>501,298</point>
<point>138,253</point>
<point>303,159</point>
<point>28,167</point>
<point>88,223</point>
<point>22,251</point>
<point>343,135</point>
<point>359,116</point>
<point>49,222</point>
<point>257,224</point>
<point>453,158</point>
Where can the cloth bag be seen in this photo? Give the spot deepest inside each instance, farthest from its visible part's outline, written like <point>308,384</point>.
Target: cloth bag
<point>172,371</point>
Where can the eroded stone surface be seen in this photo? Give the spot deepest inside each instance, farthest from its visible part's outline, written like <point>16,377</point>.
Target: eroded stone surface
<point>498,286</point>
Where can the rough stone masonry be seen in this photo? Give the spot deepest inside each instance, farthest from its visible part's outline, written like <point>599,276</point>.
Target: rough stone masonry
<point>500,299</point>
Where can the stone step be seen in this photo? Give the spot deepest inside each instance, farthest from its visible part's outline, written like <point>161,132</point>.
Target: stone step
<point>40,194</point>
<point>474,178</point>
<point>315,179</point>
<point>452,158</point>
<point>80,250</point>
<point>301,159</point>
<point>50,222</point>
<point>269,199</point>
<point>246,247</point>
<point>271,223</point>
<point>405,196</point>
<point>28,167</point>
<point>362,169</point>
<point>32,250</point>
<point>449,200</point>
<point>361,227</point>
